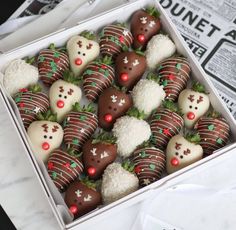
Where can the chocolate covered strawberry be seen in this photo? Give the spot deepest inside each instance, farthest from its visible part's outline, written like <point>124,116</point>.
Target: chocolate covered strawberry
<point>112,104</point>
<point>130,66</point>
<point>82,197</point>
<point>214,132</point>
<point>98,153</point>
<point>64,167</point>
<point>79,125</point>
<point>144,24</point>
<point>113,38</point>
<point>165,123</point>
<point>52,63</point>
<point>174,74</point>
<point>149,164</point>
<point>30,102</point>
<point>98,76</point>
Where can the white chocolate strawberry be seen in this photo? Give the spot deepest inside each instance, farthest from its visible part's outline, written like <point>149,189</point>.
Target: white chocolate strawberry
<point>45,136</point>
<point>81,51</point>
<point>63,94</point>
<point>181,152</point>
<point>193,103</point>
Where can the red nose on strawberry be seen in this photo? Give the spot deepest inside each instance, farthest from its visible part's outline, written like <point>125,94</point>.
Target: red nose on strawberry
<point>30,102</point>
<point>98,153</point>
<point>130,66</point>
<point>214,132</point>
<point>174,74</point>
<point>165,123</point>
<point>113,38</point>
<point>98,76</point>
<point>144,24</point>
<point>149,164</point>
<point>79,125</point>
<point>52,63</point>
<point>64,167</point>
<point>112,104</point>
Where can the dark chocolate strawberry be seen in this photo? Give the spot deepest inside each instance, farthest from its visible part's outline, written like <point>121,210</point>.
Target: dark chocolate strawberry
<point>130,66</point>
<point>214,132</point>
<point>79,125</point>
<point>144,24</point>
<point>174,74</point>
<point>81,198</point>
<point>113,38</point>
<point>30,102</point>
<point>64,167</point>
<point>98,153</point>
<point>98,76</point>
<point>52,63</point>
<point>112,104</point>
<point>165,123</point>
<point>149,164</point>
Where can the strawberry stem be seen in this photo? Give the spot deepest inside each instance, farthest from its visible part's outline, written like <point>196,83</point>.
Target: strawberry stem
<point>35,88</point>
<point>88,34</point>
<point>139,51</point>
<point>193,138</point>
<point>31,60</point>
<point>153,77</point>
<point>134,112</point>
<point>214,114</point>
<point>198,87</point>
<point>170,105</point>
<point>47,116</point>
<point>89,183</point>
<point>89,108</point>
<point>104,137</point>
<point>73,153</point>
<point>152,10</point>
<point>128,165</point>
<point>69,76</point>
<point>107,60</point>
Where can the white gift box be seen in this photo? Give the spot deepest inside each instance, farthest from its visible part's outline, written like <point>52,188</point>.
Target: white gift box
<point>121,14</point>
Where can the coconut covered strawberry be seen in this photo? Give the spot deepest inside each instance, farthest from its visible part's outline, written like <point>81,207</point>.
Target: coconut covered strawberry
<point>64,167</point>
<point>98,76</point>
<point>174,74</point>
<point>82,197</point>
<point>193,103</point>
<point>148,94</point>
<point>98,153</point>
<point>158,49</point>
<point>82,49</point>
<point>131,131</point>
<point>45,135</point>
<point>112,104</point>
<point>118,182</point>
<point>144,24</point>
<point>165,123</point>
<point>52,63</point>
<point>214,132</point>
<point>182,151</point>
<point>30,101</point>
<point>79,125</point>
<point>63,94</point>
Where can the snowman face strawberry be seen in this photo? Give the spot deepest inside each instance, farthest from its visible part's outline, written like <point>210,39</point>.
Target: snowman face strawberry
<point>81,51</point>
<point>193,105</point>
<point>45,136</point>
<point>181,153</point>
<point>62,96</point>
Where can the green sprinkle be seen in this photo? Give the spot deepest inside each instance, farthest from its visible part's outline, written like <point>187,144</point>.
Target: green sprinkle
<point>178,66</point>
<point>143,154</point>
<point>152,166</point>
<point>41,58</point>
<point>160,130</point>
<point>93,84</point>
<point>75,141</point>
<point>211,127</point>
<point>54,175</point>
<point>82,117</point>
<point>17,99</point>
<point>49,74</point>
<point>89,72</point>
<point>56,54</point>
<point>160,67</point>
<point>106,73</point>
<point>164,83</point>
<point>73,164</point>
<point>158,117</point>
<point>219,140</point>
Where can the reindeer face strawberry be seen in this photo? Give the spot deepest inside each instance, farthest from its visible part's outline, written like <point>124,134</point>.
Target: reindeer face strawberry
<point>97,154</point>
<point>81,198</point>
<point>130,67</point>
<point>81,50</point>
<point>113,38</point>
<point>214,132</point>
<point>144,24</point>
<point>165,123</point>
<point>181,152</point>
<point>52,63</point>
<point>63,167</point>
<point>112,104</point>
<point>174,74</point>
<point>45,135</point>
<point>98,76</point>
<point>30,102</point>
<point>79,125</point>
<point>194,103</point>
<point>63,94</point>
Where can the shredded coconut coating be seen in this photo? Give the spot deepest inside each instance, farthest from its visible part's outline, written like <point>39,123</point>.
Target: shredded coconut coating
<point>18,75</point>
<point>117,183</point>
<point>147,95</point>
<point>159,48</point>
<point>130,133</point>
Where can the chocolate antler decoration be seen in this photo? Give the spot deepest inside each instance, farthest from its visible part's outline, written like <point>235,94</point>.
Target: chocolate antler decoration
<point>191,98</point>
<point>61,89</point>
<point>79,43</point>
<point>70,91</point>
<point>177,146</point>
<point>187,151</point>
<point>89,46</point>
<point>200,99</point>
<point>45,126</point>
<point>55,128</point>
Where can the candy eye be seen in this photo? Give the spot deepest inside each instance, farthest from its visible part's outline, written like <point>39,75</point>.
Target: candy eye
<point>59,95</point>
<point>65,97</point>
<point>125,67</point>
<point>176,153</point>
<point>115,109</point>
<point>84,54</point>
<point>196,108</point>
<point>181,157</point>
<point>109,107</point>
<point>98,161</point>
<point>130,68</point>
<point>50,137</point>
<point>92,159</point>
<point>79,52</point>
<point>146,30</point>
<point>190,107</point>
<point>141,28</point>
<point>45,136</point>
